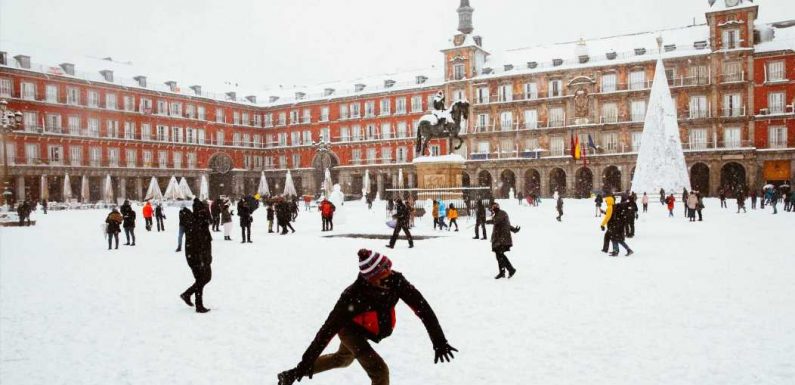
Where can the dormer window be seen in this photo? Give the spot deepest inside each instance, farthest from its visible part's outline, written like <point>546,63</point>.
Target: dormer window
<point>458,71</point>
<point>731,38</point>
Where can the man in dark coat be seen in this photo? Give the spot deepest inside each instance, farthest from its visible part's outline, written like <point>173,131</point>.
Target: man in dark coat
<point>631,214</point>
<point>184,221</point>
<point>159,217</point>
<point>401,223</point>
<point>480,219</point>
<point>244,212</point>
<point>559,206</point>
<point>199,254</point>
<point>616,227</point>
<point>366,311</point>
<point>23,211</point>
<point>215,211</point>
<point>128,222</point>
<point>501,241</point>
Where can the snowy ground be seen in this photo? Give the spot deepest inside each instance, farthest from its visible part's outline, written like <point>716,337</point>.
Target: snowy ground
<point>699,303</point>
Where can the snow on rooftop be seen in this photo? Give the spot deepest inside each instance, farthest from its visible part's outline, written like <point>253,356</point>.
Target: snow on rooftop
<point>783,37</point>
<point>720,5</point>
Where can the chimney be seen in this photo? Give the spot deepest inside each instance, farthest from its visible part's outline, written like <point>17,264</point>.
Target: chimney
<point>272,99</point>
<point>231,95</point>
<point>68,68</point>
<point>478,40</point>
<point>3,58</point>
<point>421,79</point>
<point>141,81</point>
<point>300,95</point>
<point>107,75</point>
<point>507,67</point>
<point>328,92</point>
<point>359,87</point>
<point>252,99</point>
<point>389,83</point>
<point>172,85</point>
<point>532,64</point>
<point>197,89</point>
<point>23,60</point>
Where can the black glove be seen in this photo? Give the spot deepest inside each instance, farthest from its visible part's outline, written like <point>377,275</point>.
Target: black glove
<point>602,227</point>
<point>515,229</point>
<point>303,370</point>
<point>286,377</point>
<point>443,353</point>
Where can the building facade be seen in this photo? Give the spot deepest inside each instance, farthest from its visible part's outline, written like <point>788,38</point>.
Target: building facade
<point>732,79</point>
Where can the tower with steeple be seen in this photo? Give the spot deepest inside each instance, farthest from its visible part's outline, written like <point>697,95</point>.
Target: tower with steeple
<point>465,17</point>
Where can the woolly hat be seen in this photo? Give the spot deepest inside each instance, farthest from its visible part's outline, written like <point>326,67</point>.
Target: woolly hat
<point>372,264</point>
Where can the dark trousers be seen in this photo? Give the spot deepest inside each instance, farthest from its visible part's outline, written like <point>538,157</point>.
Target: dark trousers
<point>622,243</point>
<point>216,223</point>
<point>202,274</point>
<point>180,235</point>
<point>723,204</point>
<point>160,225</point>
<point>284,225</point>
<point>129,232</point>
<point>148,223</point>
<point>354,346</point>
<point>453,222</point>
<point>698,211</point>
<point>246,232</point>
<point>753,203</point>
<point>630,229</point>
<point>645,207</point>
<point>478,226</point>
<point>328,223</point>
<point>606,241</point>
<point>560,214</point>
<point>401,226</point>
<point>112,236</point>
<point>503,263</point>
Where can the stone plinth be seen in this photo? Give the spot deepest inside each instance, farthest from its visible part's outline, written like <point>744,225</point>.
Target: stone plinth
<point>443,174</point>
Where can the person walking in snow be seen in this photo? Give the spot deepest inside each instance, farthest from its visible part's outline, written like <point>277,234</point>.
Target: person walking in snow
<point>452,215</point>
<point>753,200</point>
<point>113,221</point>
<point>722,196</point>
<point>269,217</point>
<point>700,205</point>
<point>226,219</point>
<point>185,217</point>
<point>159,217</point>
<point>199,254</point>
<point>610,201</point>
<point>442,215</point>
<point>559,207</point>
<point>501,241</point>
<point>215,213</point>
<point>741,202</point>
<point>401,223</point>
<point>435,214</point>
<point>128,222</point>
<point>616,226</point>
<point>692,205</point>
<point>480,219</point>
<point>685,195</point>
<point>631,215</point>
<point>662,197</point>
<point>645,201</point>
<point>670,201</point>
<point>244,212</point>
<point>366,311</point>
<point>598,201</point>
<point>148,211</point>
<point>774,200</point>
<point>327,215</point>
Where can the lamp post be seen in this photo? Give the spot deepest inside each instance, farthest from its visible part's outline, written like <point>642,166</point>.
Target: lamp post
<point>9,121</point>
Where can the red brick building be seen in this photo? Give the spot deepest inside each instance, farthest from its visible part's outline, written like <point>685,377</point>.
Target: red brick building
<point>733,81</point>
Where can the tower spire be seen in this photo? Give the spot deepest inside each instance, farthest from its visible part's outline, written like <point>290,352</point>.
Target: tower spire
<point>465,17</point>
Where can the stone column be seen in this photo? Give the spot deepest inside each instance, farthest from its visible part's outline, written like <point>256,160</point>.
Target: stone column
<point>139,189</point>
<point>44,185</point>
<point>626,170</point>
<point>411,180</point>
<point>20,188</point>
<point>714,177</point>
<point>237,185</point>
<point>520,181</point>
<point>544,173</point>
<point>197,185</point>
<point>123,187</point>
<point>379,180</point>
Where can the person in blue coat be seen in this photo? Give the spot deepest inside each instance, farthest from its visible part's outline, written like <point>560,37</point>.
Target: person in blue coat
<point>442,214</point>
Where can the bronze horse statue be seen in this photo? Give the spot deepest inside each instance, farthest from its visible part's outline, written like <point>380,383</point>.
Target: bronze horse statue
<point>426,131</point>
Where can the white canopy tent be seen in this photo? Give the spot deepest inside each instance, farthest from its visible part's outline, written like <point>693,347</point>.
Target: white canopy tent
<point>263,189</point>
<point>328,185</point>
<point>153,192</point>
<point>289,186</point>
<point>107,191</point>
<point>85,192</point>
<point>67,188</point>
<point>184,189</point>
<point>44,191</point>
<point>204,189</point>
<point>172,190</point>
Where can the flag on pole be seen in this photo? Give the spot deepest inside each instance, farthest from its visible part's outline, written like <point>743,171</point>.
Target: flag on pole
<point>584,154</point>
<point>572,146</point>
<point>591,143</point>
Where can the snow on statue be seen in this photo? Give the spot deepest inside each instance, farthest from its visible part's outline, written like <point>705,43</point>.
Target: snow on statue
<point>661,162</point>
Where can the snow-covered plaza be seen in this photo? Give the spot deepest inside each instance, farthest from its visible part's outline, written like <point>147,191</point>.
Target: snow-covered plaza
<point>698,303</point>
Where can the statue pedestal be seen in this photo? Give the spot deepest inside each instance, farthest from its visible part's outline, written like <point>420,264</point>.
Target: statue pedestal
<point>439,177</point>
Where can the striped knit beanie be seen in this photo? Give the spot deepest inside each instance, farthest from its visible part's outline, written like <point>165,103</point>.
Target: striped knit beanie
<point>372,264</point>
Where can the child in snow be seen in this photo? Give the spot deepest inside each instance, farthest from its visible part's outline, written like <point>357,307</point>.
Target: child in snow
<point>452,215</point>
<point>147,211</point>
<point>670,201</point>
<point>366,311</point>
<point>645,202</point>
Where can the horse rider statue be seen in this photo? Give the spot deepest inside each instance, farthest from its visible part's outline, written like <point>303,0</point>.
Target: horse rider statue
<point>442,123</point>
<point>440,111</point>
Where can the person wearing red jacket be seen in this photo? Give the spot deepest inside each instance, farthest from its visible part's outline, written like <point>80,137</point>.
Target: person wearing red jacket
<point>148,211</point>
<point>327,214</point>
<point>366,311</point>
<point>670,201</point>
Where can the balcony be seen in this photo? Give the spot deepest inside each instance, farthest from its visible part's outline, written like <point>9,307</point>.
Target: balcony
<point>689,81</point>
<point>736,77</point>
<point>737,112</point>
<point>777,110</point>
<point>697,114</point>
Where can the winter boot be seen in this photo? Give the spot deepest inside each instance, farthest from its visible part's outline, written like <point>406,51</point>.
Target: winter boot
<point>500,275</point>
<point>186,298</point>
<point>178,250</point>
<point>390,246</point>
<point>613,254</point>
<point>630,252</point>
<point>200,304</point>
<point>475,237</point>
<point>511,273</point>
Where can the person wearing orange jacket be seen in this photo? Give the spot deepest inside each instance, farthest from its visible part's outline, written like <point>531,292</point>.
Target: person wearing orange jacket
<point>148,211</point>
<point>452,215</point>
<point>609,201</point>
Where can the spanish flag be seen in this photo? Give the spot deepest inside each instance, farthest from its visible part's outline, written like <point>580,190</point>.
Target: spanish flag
<point>577,148</point>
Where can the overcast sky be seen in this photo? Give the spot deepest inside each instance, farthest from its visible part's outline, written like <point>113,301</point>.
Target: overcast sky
<point>266,43</point>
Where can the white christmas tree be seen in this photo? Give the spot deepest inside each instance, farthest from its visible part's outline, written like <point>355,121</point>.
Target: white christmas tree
<point>289,186</point>
<point>661,161</point>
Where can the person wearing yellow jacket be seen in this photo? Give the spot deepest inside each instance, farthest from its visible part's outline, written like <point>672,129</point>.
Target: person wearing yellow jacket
<point>610,201</point>
<point>452,215</point>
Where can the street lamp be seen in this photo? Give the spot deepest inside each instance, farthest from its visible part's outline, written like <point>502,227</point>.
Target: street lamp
<point>9,121</point>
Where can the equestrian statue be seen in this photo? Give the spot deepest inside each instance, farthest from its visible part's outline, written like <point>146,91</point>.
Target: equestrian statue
<point>442,123</point>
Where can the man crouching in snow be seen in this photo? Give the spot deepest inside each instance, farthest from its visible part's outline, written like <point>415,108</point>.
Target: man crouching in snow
<point>366,310</point>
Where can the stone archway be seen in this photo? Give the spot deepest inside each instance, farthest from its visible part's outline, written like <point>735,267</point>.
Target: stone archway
<point>583,182</point>
<point>557,181</point>
<point>611,179</point>
<point>484,180</point>
<point>220,178</point>
<point>507,182</point>
<point>699,178</point>
<point>732,178</point>
<point>324,159</point>
<point>532,182</point>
